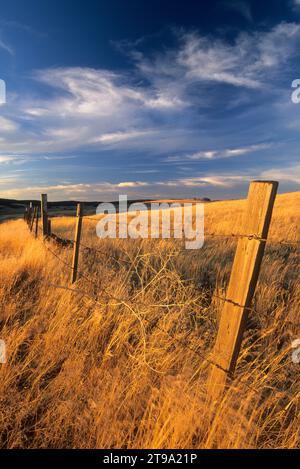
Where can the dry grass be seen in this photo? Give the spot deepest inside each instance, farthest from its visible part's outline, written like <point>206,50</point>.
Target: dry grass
<point>124,371</point>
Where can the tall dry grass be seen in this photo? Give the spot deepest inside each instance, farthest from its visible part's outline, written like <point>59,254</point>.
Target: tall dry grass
<point>127,370</point>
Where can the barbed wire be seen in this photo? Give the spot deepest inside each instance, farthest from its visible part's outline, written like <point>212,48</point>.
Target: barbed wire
<point>152,323</point>
<point>182,342</point>
<point>176,251</point>
<point>138,303</point>
<point>104,253</point>
<point>212,234</point>
<point>67,264</point>
<point>229,235</point>
<point>282,242</point>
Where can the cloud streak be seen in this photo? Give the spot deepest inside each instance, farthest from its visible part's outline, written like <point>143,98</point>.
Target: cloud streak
<point>6,47</point>
<point>218,154</point>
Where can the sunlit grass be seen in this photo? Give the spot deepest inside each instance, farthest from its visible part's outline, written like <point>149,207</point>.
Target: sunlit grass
<point>127,370</point>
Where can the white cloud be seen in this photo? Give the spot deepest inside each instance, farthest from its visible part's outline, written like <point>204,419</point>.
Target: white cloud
<point>133,184</point>
<point>211,180</point>
<point>291,174</point>
<point>55,158</point>
<point>111,191</point>
<point>247,62</point>
<point>8,159</point>
<point>90,107</point>
<point>6,47</point>
<point>7,125</point>
<point>202,154</point>
<point>217,154</point>
<point>98,92</point>
<point>139,189</point>
<point>60,190</point>
<point>116,137</point>
<point>245,150</point>
<point>206,60</point>
<point>69,191</point>
<point>7,181</point>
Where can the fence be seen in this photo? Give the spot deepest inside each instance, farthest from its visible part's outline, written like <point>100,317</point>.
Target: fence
<point>243,279</point>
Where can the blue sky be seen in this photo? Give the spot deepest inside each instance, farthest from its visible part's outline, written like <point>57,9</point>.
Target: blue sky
<point>149,99</point>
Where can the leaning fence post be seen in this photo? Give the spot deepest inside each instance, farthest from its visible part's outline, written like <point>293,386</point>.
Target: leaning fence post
<point>243,280</point>
<point>44,213</point>
<point>79,214</point>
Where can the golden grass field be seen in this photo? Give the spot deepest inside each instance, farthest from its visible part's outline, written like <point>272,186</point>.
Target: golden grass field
<point>123,372</point>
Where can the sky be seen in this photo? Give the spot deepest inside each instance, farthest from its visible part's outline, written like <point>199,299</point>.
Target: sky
<point>150,99</point>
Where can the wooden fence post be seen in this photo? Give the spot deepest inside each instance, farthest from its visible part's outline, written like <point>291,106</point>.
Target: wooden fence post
<point>49,227</point>
<point>44,214</point>
<point>37,222</point>
<point>243,280</point>
<point>32,218</point>
<point>29,214</point>
<point>77,242</point>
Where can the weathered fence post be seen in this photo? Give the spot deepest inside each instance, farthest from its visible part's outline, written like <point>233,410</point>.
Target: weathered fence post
<point>32,218</point>
<point>37,222</point>
<point>44,214</point>
<point>243,280</point>
<point>29,214</point>
<point>77,242</point>
<point>49,228</point>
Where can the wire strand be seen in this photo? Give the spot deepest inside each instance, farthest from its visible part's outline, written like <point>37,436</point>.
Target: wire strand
<point>182,342</point>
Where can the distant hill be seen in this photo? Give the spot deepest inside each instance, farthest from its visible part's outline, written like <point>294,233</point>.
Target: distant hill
<point>12,208</point>
<point>25,203</point>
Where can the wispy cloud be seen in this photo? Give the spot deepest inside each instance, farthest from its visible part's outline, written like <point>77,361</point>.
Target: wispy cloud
<point>209,180</point>
<point>132,184</point>
<point>8,159</point>
<point>7,125</point>
<point>247,62</point>
<point>217,154</point>
<point>101,108</point>
<point>296,4</point>
<point>290,174</point>
<point>4,45</point>
<point>241,7</point>
<point>116,137</point>
<point>70,191</point>
<point>204,184</point>
<point>184,104</point>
